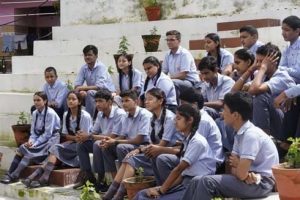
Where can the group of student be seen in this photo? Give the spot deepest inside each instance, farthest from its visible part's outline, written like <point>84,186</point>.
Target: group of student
<point>182,127</point>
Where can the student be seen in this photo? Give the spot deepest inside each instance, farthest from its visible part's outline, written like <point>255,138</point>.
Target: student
<point>163,135</point>
<point>249,38</point>
<point>129,77</point>
<point>44,133</point>
<point>251,160</point>
<point>157,78</point>
<point>224,58</point>
<point>216,86</point>
<point>56,91</point>
<point>107,124</point>
<point>207,126</point>
<point>195,158</point>
<point>290,60</point>
<point>265,116</point>
<point>75,120</point>
<point>179,62</point>
<point>243,60</point>
<point>96,76</point>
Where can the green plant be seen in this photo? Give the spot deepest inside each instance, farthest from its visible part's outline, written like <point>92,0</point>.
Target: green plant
<point>23,118</point>
<point>293,154</point>
<point>88,192</point>
<point>149,3</point>
<point>153,31</point>
<point>110,70</point>
<point>123,45</point>
<point>139,174</point>
<point>70,85</point>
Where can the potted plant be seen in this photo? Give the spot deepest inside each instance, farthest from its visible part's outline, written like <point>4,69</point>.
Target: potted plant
<point>151,42</point>
<point>138,182</point>
<point>123,48</point>
<point>88,192</point>
<point>152,9</point>
<point>287,175</point>
<point>21,129</point>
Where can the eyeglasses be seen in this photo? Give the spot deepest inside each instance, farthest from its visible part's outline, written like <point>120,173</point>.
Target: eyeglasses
<point>171,40</point>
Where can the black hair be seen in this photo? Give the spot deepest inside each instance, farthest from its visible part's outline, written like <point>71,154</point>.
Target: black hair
<point>240,102</point>
<point>130,72</point>
<point>43,95</point>
<point>191,95</point>
<point>90,47</point>
<point>215,37</point>
<point>174,32</point>
<point>154,61</point>
<point>245,55</point>
<point>159,94</point>
<point>103,93</point>
<point>132,94</point>
<point>292,21</point>
<point>208,62</point>
<point>187,111</point>
<point>78,114</point>
<point>267,49</point>
<point>249,29</point>
<point>51,69</point>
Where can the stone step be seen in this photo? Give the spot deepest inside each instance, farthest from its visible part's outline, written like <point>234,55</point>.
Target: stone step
<point>15,102</point>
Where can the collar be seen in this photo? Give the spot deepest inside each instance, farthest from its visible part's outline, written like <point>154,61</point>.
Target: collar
<point>179,50</point>
<point>244,127</point>
<point>295,44</point>
<point>219,80</point>
<point>111,114</point>
<point>54,85</point>
<point>95,66</point>
<point>41,113</point>
<point>137,110</point>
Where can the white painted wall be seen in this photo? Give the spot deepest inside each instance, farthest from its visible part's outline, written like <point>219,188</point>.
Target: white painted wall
<point>112,11</point>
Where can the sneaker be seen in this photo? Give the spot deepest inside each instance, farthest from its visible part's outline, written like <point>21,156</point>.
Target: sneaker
<point>101,187</point>
<point>80,180</point>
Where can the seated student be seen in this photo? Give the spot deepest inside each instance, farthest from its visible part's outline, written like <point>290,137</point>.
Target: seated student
<point>96,76</point>
<point>265,116</point>
<point>243,59</point>
<point>179,62</point>
<point>290,57</point>
<point>56,91</point>
<point>224,58</point>
<point>289,102</point>
<point>216,86</point>
<point>157,78</point>
<point>75,120</point>
<point>249,38</point>
<point>163,135</point>
<point>207,126</point>
<point>135,131</point>
<point>107,124</point>
<point>196,158</point>
<point>44,133</point>
<point>251,160</point>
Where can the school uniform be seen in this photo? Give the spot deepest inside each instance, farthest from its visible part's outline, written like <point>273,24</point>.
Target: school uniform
<point>181,61</point>
<point>104,126</point>
<point>211,93</point>
<point>137,81</point>
<point>164,83</point>
<point>198,155</point>
<point>264,113</point>
<point>42,141</point>
<point>290,60</point>
<point>66,152</point>
<point>138,124</point>
<point>255,46</point>
<point>99,77</point>
<point>169,135</point>
<point>226,58</point>
<point>251,143</point>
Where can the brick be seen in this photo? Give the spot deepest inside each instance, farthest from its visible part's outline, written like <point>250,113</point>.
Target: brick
<point>258,23</point>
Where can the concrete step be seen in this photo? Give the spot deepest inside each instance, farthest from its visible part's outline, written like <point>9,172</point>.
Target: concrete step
<point>13,102</point>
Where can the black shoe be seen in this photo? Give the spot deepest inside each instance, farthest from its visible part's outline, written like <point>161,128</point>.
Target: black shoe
<point>26,182</point>
<point>80,180</point>
<point>39,183</point>
<point>6,179</point>
<point>101,187</point>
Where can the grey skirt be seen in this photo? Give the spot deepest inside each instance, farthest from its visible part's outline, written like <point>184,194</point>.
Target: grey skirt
<point>39,153</point>
<point>66,153</point>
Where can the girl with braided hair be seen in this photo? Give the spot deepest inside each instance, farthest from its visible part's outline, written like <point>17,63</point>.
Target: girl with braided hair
<point>75,120</point>
<point>44,133</point>
<point>162,135</point>
<point>196,158</point>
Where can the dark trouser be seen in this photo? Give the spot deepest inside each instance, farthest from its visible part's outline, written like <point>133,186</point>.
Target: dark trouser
<point>207,187</point>
<point>83,150</point>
